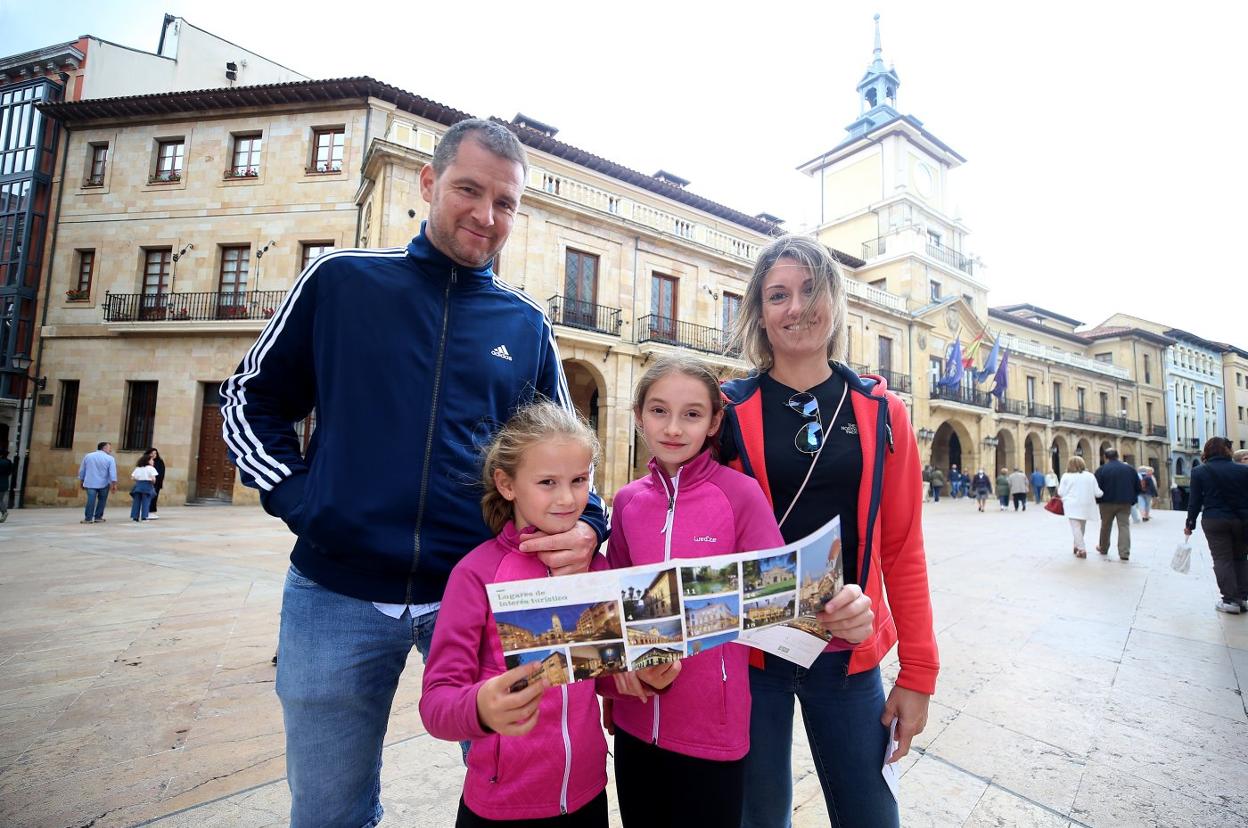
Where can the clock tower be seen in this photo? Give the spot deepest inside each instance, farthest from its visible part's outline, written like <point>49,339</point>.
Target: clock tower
<point>883,196</point>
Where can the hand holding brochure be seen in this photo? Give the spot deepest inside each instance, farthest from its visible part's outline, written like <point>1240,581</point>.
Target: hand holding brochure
<point>587,625</point>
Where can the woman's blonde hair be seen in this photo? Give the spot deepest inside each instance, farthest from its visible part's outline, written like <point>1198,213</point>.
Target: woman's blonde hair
<point>538,421</point>
<point>1076,464</point>
<point>829,287</point>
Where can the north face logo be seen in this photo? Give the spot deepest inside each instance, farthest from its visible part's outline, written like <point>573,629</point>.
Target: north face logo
<point>501,353</point>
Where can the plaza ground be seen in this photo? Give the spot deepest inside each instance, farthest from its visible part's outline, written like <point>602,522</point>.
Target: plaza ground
<point>137,688</point>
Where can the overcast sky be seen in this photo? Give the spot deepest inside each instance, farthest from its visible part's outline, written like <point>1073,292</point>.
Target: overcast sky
<point>1105,143</point>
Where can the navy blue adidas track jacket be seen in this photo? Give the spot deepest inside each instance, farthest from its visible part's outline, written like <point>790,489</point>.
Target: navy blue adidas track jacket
<point>412,363</point>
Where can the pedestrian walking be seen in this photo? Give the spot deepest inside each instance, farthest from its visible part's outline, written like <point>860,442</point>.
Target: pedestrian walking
<point>1037,484</point>
<point>144,476</point>
<point>159,464</point>
<point>927,483</point>
<point>981,484</point>
<point>6,477</point>
<point>1078,490</point>
<point>1050,483</point>
<point>450,353</point>
<point>792,328</point>
<point>1018,489</point>
<point>98,475</point>
<point>1148,485</point>
<point>938,483</point>
<point>1120,486</point>
<point>1003,489</point>
<point>955,482</point>
<point>1220,489</point>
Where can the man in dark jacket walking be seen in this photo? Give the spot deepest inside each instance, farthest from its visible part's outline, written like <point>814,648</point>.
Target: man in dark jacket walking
<point>1121,486</point>
<point>420,354</point>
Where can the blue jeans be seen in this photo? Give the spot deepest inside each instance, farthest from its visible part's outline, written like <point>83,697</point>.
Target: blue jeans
<point>936,493</point>
<point>842,717</point>
<point>1039,491</point>
<point>96,500</point>
<point>139,503</point>
<point>338,668</point>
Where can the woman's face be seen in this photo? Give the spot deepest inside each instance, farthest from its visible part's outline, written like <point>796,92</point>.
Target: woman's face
<point>787,290</point>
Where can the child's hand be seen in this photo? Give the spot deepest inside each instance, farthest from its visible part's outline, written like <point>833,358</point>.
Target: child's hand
<point>628,684</point>
<point>511,713</point>
<point>661,676</point>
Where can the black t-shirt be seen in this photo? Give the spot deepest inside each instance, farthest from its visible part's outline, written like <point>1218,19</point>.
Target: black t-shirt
<point>834,484</point>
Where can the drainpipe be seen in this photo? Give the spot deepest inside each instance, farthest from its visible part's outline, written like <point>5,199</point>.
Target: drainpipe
<point>632,363</point>
<point>359,208</point>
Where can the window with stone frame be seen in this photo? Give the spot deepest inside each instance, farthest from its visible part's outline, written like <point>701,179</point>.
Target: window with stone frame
<point>67,416</point>
<point>327,149</point>
<point>140,424</point>
<point>232,280</point>
<point>313,250</point>
<point>81,289</point>
<point>245,155</point>
<point>170,155</point>
<point>97,165</point>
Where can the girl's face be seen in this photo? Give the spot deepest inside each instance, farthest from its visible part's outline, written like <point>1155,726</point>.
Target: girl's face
<point>787,289</point>
<point>676,419</point>
<point>550,487</point>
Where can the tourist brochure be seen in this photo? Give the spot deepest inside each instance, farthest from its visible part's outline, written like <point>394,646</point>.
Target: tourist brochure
<point>583,626</point>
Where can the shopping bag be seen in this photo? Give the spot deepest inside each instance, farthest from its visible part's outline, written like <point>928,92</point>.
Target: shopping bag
<point>1055,506</point>
<point>1182,560</point>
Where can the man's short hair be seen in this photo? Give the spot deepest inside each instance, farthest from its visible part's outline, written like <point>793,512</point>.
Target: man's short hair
<point>100,446</point>
<point>1241,456</point>
<point>496,138</point>
<point>1111,454</point>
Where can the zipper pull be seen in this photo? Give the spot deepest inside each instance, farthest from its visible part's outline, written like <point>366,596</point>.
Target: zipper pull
<point>888,429</point>
<point>722,669</point>
<point>454,275</point>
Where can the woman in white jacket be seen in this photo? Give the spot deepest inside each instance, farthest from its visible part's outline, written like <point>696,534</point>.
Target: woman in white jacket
<point>1078,491</point>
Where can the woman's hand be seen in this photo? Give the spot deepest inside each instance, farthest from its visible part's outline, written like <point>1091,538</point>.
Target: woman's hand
<point>511,712</point>
<point>848,615</point>
<point>909,708</point>
<point>566,553</point>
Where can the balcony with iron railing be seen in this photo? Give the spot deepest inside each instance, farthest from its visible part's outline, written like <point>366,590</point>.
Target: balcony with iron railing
<point>952,258</point>
<point>1157,431</point>
<point>586,316</point>
<point>896,380</point>
<point>965,396</point>
<point>652,328</point>
<point>191,307</point>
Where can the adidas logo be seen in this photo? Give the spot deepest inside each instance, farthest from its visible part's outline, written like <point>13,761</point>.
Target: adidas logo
<point>501,353</point>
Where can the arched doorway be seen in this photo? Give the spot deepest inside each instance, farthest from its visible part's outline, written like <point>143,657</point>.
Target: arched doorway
<point>587,388</point>
<point>1059,453</point>
<point>1179,468</point>
<point>951,447</point>
<point>1007,453</point>
<point>1084,449</point>
<point>1033,453</point>
<point>1100,453</point>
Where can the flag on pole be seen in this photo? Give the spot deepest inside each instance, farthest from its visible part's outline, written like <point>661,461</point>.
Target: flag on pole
<point>953,366</point>
<point>968,361</point>
<point>990,365</point>
<point>1002,378</point>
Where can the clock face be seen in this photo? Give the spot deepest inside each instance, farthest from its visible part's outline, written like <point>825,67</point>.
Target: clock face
<point>924,179</point>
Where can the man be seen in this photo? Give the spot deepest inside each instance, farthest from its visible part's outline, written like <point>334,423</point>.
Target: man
<point>6,475</point>
<point>938,483</point>
<point>412,359</point>
<point>1120,485</point>
<point>1037,484</point>
<point>1240,456</point>
<point>1018,489</point>
<point>98,475</point>
<point>927,483</point>
<point>955,482</point>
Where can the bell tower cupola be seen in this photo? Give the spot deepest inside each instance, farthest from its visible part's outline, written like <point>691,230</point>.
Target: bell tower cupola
<point>877,92</point>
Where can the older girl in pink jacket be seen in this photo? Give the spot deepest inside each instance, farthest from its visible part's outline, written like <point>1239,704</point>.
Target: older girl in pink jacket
<point>679,751</point>
<point>538,754</point>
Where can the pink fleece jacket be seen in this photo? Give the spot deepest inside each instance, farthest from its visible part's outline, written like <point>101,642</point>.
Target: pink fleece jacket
<point>706,509</point>
<point>558,766</point>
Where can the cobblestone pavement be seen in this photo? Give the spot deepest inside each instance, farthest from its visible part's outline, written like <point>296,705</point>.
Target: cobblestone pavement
<point>137,689</point>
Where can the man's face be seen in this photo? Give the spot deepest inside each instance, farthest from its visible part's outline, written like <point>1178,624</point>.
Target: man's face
<point>472,204</point>
<point>108,448</point>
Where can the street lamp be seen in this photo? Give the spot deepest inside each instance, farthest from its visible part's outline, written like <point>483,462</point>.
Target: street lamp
<point>21,363</point>
<point>991,442</point>
<point>926,435</point>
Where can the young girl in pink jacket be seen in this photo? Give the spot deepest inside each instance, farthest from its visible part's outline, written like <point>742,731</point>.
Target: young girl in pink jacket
<point>679,751</point>
<point>538,753</point>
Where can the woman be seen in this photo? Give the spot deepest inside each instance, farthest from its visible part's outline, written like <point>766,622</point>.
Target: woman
<point>822,442</point>
<point>1149,484</point>
<point>1003,489</point>
<point>981,485</point>
<point>1079,491</point>
<point>1220,489</point>
<point>1050,483</point>
<point>144,476</point>
<point>938,483</point>
<point>159,464</point>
